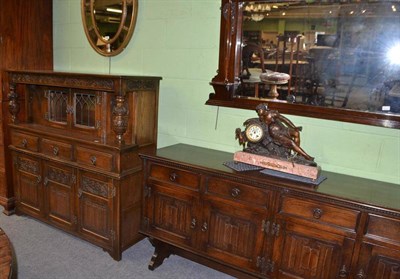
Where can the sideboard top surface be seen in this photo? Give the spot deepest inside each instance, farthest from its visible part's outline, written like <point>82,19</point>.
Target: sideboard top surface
<point>338,186</point>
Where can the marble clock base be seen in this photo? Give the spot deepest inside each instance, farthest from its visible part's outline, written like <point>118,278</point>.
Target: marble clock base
<point>277,164</point>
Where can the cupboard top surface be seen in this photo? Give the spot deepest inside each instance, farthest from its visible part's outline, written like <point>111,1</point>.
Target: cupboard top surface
<point>81,75</point>
<point>338,186</point>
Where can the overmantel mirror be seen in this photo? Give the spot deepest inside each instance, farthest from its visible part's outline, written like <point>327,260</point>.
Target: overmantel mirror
<point>327,59</point>
<point>109,24</point>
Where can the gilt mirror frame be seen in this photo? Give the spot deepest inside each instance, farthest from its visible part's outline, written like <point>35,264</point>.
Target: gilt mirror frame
<point>227,80</point>
<point>114,43</point>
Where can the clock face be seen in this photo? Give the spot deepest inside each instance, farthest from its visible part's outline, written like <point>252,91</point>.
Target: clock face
<point>254,133</point>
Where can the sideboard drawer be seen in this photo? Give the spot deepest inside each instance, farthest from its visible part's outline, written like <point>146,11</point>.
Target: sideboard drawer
<point>25,141</point>
<point>321,212</point>
<point>58,149</point>
<point>94,158</point>
<point>237,192</point>
<point>385,227</point>
<point>175,175</point>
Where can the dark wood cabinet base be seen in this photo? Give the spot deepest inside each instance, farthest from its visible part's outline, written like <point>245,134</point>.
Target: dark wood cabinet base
<point>163,250</point>
<point>252,225</point>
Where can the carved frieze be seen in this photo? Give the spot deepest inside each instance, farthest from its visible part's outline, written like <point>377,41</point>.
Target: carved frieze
<point>27,165</point>
<point>65,81</point>
<point>141,84</point>
<point>59,175</point>
<point>94,186</point>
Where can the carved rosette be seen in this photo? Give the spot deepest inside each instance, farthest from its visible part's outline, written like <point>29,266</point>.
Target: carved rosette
<point>13,105</point>
<point>120,117</point>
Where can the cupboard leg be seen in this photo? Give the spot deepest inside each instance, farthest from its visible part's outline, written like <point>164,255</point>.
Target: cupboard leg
<point>116,255</point>
<point>161,253</point>
<point>9,212</point>
<point>9,206</point>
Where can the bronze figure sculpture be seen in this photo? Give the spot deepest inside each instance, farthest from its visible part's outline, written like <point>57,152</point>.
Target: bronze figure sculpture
<point>274,135</point>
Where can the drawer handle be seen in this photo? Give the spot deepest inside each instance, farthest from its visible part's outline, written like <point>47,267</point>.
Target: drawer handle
<point>24,143</point>
<point>55,150</point>
<point>193,224</point>
<point>235,192</point>
<point>343,272</point>
<point>93,160</point>
<point>317,213</point>
<point>361,274</point>
<point>173,176</point>
<point>204,228</point>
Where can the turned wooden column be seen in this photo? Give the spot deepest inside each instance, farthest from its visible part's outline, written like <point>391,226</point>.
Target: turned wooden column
<point>120,118</point>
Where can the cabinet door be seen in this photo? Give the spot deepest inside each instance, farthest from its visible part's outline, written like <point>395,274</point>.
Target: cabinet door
<point>95,203</point>
<point>28,183</point>
<point>170,214</point>
<point>233,233</point>
<point>306,252</point>
<point>378,262</point>
<point>59,184</point>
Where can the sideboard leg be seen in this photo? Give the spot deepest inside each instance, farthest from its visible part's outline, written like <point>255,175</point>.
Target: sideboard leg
<point>161,252</point>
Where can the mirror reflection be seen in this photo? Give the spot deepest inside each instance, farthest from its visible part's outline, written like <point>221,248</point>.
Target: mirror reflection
<point>108,16</point>
<point>344,55</point>
<point>109,24</point>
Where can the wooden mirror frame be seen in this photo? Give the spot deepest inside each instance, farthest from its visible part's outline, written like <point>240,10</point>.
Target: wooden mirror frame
<point>227,79</point>
<point>114,44</point>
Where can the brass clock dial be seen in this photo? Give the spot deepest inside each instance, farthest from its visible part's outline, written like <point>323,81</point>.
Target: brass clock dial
<point>254,132</point>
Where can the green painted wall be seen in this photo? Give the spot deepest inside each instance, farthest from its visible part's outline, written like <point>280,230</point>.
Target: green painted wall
<point>178,40</point>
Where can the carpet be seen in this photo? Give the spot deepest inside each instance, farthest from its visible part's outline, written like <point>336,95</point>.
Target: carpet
<point>45,252</point>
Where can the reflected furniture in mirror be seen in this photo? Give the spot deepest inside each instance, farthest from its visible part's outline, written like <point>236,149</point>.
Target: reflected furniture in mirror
<point>109,24</point>
<point>74,142</point>
<point>342,58</point>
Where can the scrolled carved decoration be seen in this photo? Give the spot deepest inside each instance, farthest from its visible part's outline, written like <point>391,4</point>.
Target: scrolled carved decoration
<point>28,165</point>
<point>98,83</point>
<point>140,85</point>
<point>95,187</point>
<point>13,105</point>
<point>59,175</point>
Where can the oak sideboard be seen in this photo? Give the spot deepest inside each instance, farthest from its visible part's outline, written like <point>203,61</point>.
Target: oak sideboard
<point>253,225</point>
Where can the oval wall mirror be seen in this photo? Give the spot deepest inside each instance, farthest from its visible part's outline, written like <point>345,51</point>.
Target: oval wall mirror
<point>109,24</point>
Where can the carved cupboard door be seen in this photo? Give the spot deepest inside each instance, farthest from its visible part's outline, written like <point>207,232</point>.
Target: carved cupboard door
<point>95,194</point>
<point>233,233</point>
<point>303,252</point>
<point>59,184</point>
<point>378,262</point>
<point>171,213</point>
<point>28,184</point>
